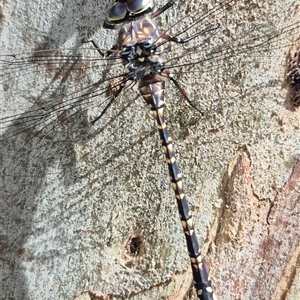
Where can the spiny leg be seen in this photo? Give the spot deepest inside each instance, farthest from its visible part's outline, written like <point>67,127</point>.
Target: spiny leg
<point>153,94</point>
<point>184,95</point>
<point>98,49</point>
<point>163,9</point>
<point>116,90</point>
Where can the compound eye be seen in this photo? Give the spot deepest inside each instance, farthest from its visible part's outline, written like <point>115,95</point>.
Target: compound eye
<point>138,6</point>
<point>116,12</point>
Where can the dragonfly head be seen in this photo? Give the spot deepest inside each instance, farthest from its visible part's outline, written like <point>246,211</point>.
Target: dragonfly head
<point>126,10</point>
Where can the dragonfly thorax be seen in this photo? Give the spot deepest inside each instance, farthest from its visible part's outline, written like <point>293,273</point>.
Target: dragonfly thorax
<point>141,31</point>
<point>140,51</point>
<point>139,70</point>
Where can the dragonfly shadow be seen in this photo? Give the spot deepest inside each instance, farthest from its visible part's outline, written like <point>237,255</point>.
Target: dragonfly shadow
<point>76,22</point>
<point>38,144</point>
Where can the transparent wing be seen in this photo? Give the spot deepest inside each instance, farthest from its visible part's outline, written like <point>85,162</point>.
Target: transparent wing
<point>67,184</point>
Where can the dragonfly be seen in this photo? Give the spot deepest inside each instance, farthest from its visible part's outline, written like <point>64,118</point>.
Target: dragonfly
<point>52,134</point>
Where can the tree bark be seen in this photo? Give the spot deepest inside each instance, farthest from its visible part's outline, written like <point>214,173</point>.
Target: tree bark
<point>91,214</point>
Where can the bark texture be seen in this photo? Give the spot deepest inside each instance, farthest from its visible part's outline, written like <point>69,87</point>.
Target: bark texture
<point>92,215</point>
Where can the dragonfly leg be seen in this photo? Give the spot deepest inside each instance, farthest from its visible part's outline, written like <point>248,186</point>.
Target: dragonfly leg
<point>184,95</point>
<point>162,9</point>
<point>103,54</point>
<point>116,90</point>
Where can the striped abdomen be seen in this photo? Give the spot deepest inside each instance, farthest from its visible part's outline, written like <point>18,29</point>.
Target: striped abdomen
<point>152,89</point>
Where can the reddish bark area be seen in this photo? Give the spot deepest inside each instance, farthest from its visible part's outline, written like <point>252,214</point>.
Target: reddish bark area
<point>258,241</point>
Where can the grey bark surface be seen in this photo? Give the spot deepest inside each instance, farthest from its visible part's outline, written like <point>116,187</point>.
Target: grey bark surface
<point>69,217</point>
